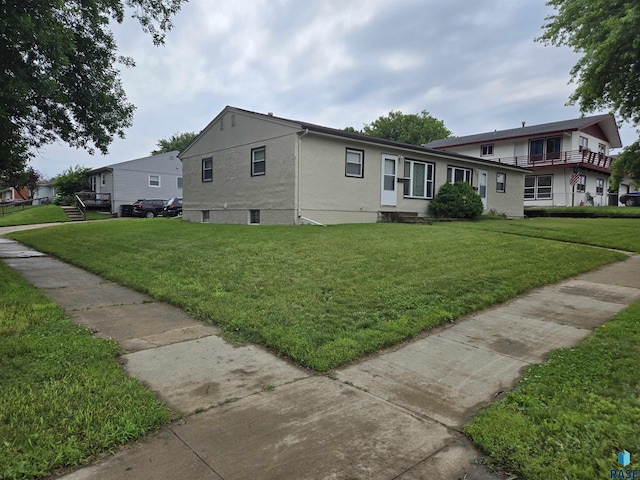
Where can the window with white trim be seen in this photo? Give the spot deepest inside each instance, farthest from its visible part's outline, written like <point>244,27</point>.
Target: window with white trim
<point>538,187</point>
<point>258,161</point>
<point>93,181</point>
<point>207,169</point>
<point>179,182</point>
<point>103,179</point>
<point>501,182</point>
<point>486,149</point>
<point>599,186</point>
<point>154,180</point>
<point>418,179</point>
<point>459,174</point>
<point>581,186</point>
<point>584,144</point>
<point>354,163</point>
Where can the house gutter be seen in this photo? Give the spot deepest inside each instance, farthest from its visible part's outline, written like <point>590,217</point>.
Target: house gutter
<point>306,130</point>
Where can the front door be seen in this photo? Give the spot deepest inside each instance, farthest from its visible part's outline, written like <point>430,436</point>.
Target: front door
<point>483,177</point>
<point>388,193</point>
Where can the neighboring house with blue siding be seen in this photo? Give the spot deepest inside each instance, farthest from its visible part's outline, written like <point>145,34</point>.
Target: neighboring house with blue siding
<point>155,176</point>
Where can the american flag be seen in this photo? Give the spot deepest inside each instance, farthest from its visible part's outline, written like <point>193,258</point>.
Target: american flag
<point>573,179</point>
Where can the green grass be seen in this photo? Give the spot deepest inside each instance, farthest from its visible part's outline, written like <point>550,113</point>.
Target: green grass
<point>32,215</point>
<point>320,296</point>
<point>605,211</point>
<point>63,397</point>
<point>568,418</point>
<point>618,233</point>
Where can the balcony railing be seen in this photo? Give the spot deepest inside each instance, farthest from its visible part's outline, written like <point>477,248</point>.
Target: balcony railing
<point>95,200</point>
<point>584,157</point>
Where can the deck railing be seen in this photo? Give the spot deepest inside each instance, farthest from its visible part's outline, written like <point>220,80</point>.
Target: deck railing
<point>82,208</point>
<point>570,157</point>
<point>95,199</point>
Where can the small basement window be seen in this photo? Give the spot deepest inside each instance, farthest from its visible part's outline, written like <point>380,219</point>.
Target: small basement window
<point>254,217</point>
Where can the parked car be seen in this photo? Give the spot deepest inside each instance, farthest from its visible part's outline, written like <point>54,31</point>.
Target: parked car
<point>149,207</point>
<point>630,199</point>
<point>173,207</point>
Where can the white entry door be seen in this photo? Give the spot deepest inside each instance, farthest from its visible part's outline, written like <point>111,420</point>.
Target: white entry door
<point>483,178</point>
<point>388,192</point>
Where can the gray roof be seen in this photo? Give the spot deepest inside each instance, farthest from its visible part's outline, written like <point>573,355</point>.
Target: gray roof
<point>367,138</point>
<point>607,124</point>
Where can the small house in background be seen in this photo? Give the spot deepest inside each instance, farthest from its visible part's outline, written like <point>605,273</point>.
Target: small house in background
<point>155,176</point>
<point>570,160</point>
<point>11,194</point>
<point>45,192</point>
<point>251,168</point>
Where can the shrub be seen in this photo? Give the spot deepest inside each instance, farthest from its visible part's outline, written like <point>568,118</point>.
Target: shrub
<point>457,200</point>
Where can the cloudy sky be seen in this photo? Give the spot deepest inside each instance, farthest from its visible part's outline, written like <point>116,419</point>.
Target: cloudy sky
<point>473,64</point>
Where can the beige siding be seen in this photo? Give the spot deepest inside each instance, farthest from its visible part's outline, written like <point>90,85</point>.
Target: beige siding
<point>327,195</point>
<point>233,191</point>
<point>305,176</point>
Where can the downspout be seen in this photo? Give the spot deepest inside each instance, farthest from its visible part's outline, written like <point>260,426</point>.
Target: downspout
<point>306,130</point>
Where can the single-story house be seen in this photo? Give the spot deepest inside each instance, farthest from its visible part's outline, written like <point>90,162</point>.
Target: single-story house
<point>45,192</point>
<point>155,176</point>
<point>251,168</point>
<point>570,160</point>
<point>12,194</point>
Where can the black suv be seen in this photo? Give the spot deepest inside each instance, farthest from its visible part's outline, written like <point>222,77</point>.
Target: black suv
<point>173,208</point>
<point>148,207</point>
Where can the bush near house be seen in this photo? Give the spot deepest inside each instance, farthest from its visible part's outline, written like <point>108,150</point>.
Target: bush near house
<point>457,200</point>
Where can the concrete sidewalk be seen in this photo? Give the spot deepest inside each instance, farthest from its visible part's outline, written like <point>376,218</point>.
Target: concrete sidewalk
<point>250,415</point>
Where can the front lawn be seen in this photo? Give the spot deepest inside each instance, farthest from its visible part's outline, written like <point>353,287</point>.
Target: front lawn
<point>571,416</point>
<point>31,215</point>
<point>618,233</point>
<point>605,211</point>
<point>320,296</point>
<point>63,397</point>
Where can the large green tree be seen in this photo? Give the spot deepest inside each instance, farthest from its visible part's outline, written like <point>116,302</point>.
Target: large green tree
<point>177,141</point>
<point>59,77</point>
<point>606,34</point>
<point>410,128</point>
<point>71,181</point>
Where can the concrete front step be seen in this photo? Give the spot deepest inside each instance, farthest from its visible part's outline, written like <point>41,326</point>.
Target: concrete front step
<point>73,213</point>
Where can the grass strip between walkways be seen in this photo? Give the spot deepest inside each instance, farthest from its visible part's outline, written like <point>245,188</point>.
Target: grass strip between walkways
<point>320,296</point>
<point>63,397</point>
<point>569,417</point>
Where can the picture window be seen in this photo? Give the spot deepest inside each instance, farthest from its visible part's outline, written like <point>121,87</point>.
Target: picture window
<point>418,179</point>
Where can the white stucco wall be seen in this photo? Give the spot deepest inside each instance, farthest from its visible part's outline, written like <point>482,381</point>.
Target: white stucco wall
<point>329,196</point>
<point>564,195</point>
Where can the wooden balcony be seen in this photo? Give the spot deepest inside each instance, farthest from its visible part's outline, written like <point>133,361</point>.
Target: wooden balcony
<point>572,158</point>
<point>96,201</point>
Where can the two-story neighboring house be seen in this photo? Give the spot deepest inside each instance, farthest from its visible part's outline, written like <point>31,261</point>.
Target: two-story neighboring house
<point>155,176</point>
<point>569,160</point>
<point>251,168</point>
